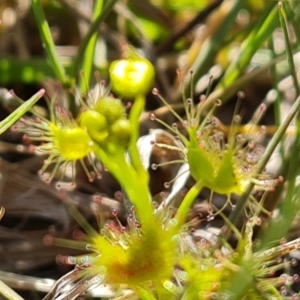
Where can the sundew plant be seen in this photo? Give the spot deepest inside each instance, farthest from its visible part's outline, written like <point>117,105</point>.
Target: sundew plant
<point>160,246</point>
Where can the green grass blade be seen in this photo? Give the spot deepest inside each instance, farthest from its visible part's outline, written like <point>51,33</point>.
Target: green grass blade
<point>20,111</point>
<point>289,52</point>
<point>282,223</point>
<point>265,26</point>
<point>90,51</point>
<point>94,27</point>
<point>291,8</point>
<point>48,43</point>
<point>207,56</point>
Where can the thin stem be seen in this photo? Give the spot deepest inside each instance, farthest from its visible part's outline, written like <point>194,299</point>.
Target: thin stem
<point>289,52</point>
<point>135,113</point>
<point>90,51</point>
<point>48,43</point>
<point>94,27</point>
<point>187,202</point>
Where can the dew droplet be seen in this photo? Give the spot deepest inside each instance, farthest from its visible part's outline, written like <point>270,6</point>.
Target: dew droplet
<point>185,123</point>
<point>283,291</point>
<point>282,241</point>
<point>163,195</point>
<point>152,117</point>
<point>295,297</point>
<point>251,145</point>
<point>48,240</point>
<point>203,242</point>
<point>183,275</point>
<point>189,101</point>
<point>294,262</point>
<point>218,102</point>
<point>280,179</point>
<point>283,278</point>
<point>263,129</point>
<point>119,196</point>
<point>168,285</point>
<point>167,185</point>
<point>97,198</point>
<point>262,107</point>
<point>61,259</point>
<point>241,95</point>
<point>237,119</point>
<point>202,98</point>
<point>154,166</point>
<point>155,91</point>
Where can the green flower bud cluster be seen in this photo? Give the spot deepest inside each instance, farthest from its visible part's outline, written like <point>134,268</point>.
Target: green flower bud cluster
<point>106,122</point>
<point>102,126</point>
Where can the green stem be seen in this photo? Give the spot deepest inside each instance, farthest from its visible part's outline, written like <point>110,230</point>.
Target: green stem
<point>8,293</point>
<point>281,224</point>
<point>187,202</point>
<point>48,43</point>
<point>20,111</point>
<point>90,51</point>
<point>289,51</point>
<point>136,110</point>
<point>94,27</point>
<point>133,184</point>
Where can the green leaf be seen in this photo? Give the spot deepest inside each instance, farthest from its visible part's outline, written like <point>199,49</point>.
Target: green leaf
<point>20,111</point>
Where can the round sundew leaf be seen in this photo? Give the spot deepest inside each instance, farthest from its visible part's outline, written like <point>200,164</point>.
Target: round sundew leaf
<point>226,181</point>
<point>95,123</point>
<point>111,108</point>
<point>150,255</point>
<point>72,143</point>
<point>131,77</point>
<point>200,165</point>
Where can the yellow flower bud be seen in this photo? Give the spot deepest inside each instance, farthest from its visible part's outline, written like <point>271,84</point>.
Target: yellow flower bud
<point>131,77</point>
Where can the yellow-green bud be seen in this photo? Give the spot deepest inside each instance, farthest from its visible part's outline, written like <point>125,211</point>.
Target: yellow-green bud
<point>120,132</point>
<point>131,77</point>
<point>111,108</point>
<point>95,124</point>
